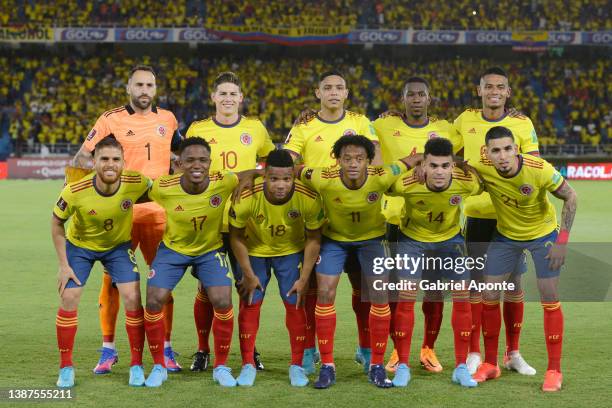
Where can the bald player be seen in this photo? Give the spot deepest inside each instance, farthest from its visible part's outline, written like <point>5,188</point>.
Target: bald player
<point>148,135</point>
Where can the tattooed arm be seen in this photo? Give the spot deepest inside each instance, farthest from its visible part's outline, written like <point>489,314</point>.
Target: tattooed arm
<point>556,255</point>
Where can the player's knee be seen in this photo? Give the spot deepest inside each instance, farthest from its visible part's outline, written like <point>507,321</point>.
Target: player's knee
<point>326,294</point>
<point>70,299</point>
<point>131,300</point>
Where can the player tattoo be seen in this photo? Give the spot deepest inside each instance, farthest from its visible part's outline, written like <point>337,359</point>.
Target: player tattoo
<point>568,195</point>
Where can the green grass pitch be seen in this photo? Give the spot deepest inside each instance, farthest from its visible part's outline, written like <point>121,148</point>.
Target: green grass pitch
<point>30,358</point>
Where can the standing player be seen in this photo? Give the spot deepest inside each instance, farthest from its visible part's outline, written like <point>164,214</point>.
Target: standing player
<point>311,140</point>
<point>430,227</point>
<point>194,204</point>
<point>351,195</point>
<point>276,225</point>
<point>236,143</point>
<point>100,208</point>
<point>472,125</point>
<point>400,136</point>
<point>148,134</point>
<point>518,186</point>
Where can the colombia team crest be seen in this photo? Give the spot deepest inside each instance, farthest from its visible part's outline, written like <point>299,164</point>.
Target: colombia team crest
<point>151,274</point>
<point>455,200</point>
<point>349,132</point>
<point>215,201</point>
<point>293,214</point>
<point>432,135</point>
<point>126,204</point>
<point>526,189</point>
<point>161,130</point>
<point>373,197</point>
<point>246,139</point>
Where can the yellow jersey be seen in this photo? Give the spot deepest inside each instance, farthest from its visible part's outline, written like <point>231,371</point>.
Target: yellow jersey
<point>433,216</point>
<point>193,220</point>
<point>521,202</point>
<point>399,139</point>
<point>234,147</point>
<point>472,127</point>
<point>353,215</point>
<point>314,140</point>
<point>100,222</point>
<point>277,230</point>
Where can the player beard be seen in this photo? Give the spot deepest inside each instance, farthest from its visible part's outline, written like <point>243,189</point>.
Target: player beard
<point>141,104</point>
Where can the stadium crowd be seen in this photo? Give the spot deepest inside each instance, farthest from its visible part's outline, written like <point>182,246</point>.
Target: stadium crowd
<point>435,14</point>
<point>53,99</point>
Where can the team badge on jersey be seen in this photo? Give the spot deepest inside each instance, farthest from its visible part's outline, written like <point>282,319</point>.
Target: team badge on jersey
<point>293,214</point>
<point>432,135</point>
<point>373,197</point>
<point>161,130</point>
<point>246,139</point>
<point>455,200</point>
<point>215,201</point>
<point>349,132</point>
<point>526,189</point>
<point>151,274</point>
<point>126,204</point>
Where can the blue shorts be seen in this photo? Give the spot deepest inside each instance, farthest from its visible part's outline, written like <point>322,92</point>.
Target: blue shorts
<point>334,253</point>
<point>433,260</point>
<point>503,253</point>
<point>169,266</point>
<point>120,262</point>
<point>286,269</point>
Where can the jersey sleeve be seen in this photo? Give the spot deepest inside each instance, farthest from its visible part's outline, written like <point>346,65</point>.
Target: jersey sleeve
<point>315,217</point>
<point>551,178</point>
<point>239,213</point>
<point>528,138</point>
<point>366,129</point>
<point>312,178</point>
<point>63,208</point>
<point>100,130</point>
<point>454,137</point>
<point>393,173</point>
<point>295,140</point>
<point>457,136</point>
<point>154,192</point>
<point>266,145</point>
<point>231,179</point>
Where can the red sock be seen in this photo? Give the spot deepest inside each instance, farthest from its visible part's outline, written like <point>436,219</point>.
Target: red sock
<point>402,326</point>
<point>380,322</point>
<point>203,315</point>
<point>553,330</point>
<point>66,327</point>
<point>491,325</point>
<point>222,328</point>
<point>154,328</point>
<point>362,316</point>
<point>461,321</point>
<point>309,308</point>
<point>432,310</point>
<point>134,324</point>
<point>295,320</point>
<point>168,311</point>
<point>248,324</point>
<point>325,316</point>
<point>513,319</point>
<point>476,306</point>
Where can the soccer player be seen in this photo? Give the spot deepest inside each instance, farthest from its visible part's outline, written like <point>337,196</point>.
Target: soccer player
<point>518,186</point>
<point>430,228</point>
<point>472,125</point>
<point>351,196</point>
<point>194,203</point>
<point>236,143</point>
<point>310,141</point>
<point>400,136</point>
<point>276,225</point>
<point>148,135</point>
<point>100,208</point>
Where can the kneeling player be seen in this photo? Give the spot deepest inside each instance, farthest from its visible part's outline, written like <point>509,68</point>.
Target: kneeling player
<point>276,225</point>
<point>430,227</point>
<point>526,221</point>
<point>193,202</point>
<point>100,208</point>
<point>351,196</point>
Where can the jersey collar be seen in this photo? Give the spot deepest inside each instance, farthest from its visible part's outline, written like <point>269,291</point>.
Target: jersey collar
<point>417,126</point>
<point>100,192</point>
<point>231,125</point>
<point>331,122</point>
<point>131,110</point>
<point>494,120</point>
